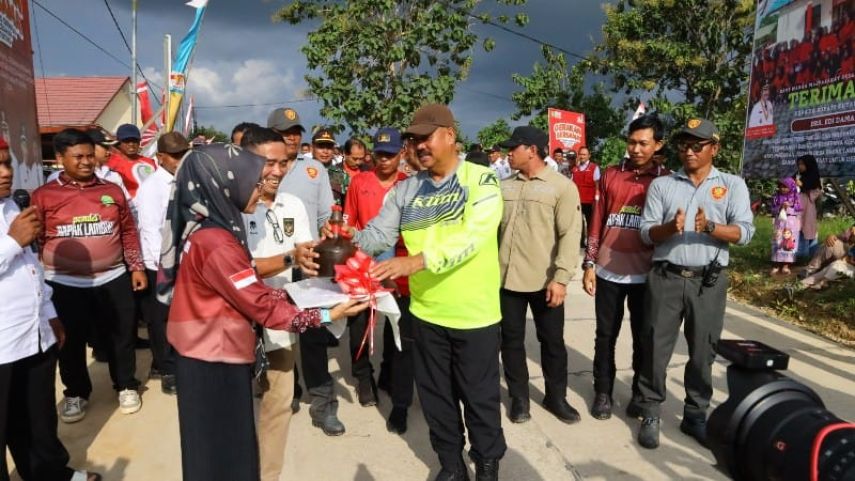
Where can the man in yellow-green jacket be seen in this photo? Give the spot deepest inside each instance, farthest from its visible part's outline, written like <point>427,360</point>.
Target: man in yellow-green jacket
<point>448,216</point>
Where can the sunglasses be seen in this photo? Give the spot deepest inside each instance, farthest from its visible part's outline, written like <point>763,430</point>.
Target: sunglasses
<point>277,231</point>
<point>694,146</point>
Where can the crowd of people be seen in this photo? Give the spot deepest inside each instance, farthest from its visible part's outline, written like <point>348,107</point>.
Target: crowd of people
<point>200,242</point>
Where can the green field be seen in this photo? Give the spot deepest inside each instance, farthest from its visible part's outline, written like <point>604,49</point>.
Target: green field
<point>829,312</point>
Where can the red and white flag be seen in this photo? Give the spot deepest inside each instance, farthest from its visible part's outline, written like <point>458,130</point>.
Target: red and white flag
<point>244,278</point>
<point>146,113</point>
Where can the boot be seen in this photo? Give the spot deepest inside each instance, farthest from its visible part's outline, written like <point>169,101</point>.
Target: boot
<point>324,409</point>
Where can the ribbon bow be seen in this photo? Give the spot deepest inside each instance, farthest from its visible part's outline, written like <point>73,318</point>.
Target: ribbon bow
<point>355,280</point>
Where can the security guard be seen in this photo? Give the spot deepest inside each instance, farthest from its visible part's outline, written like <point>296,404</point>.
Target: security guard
<point>691,217</point>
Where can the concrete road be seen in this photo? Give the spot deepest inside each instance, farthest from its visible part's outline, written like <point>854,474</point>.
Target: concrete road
<point>145,446</point>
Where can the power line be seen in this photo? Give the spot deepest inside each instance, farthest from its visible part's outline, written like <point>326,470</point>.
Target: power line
<point>60,20</point>
<point>266,104</point>
<point>41,65</point>
<point>125,40</point>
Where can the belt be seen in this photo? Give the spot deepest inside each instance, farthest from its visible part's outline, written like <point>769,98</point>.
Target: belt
<point>682,271</point>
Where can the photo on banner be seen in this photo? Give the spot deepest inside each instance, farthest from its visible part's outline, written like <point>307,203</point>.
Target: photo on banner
<point>802,88</point>
<point>566,130</point>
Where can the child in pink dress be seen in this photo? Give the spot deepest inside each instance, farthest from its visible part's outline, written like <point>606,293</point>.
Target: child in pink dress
<point>786,207</point>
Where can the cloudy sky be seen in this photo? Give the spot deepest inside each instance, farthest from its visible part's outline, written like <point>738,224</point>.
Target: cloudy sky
<point>244,59</point>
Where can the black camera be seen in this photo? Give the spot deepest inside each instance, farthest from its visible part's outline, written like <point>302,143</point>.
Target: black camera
<point>772,427</point>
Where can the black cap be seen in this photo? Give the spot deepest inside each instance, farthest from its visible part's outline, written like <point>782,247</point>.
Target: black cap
<point>700,128</point>
<point>526,135</point>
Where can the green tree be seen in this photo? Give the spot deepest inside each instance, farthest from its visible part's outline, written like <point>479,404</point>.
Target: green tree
<point>557,85</point>
<point>374,62</point>
<point>692,56</point>
<point>494,133</point>
<point>209,132</point>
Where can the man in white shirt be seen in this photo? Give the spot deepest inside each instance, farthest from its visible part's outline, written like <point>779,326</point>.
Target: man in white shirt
<point>150,204</point>
<point>30,331</point>
<point>762,113</point>
<point>500,164</point>
<point>278,234</point>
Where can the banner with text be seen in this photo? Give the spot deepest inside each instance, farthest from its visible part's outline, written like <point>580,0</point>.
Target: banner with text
<point>566,130</point>
<point>802,88</point>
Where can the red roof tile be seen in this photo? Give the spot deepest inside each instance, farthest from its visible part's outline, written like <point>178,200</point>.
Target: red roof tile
<point>70,101</point>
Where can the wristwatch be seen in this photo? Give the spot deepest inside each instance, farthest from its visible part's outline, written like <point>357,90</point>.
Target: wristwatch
<point>588,264</point>
<point>710,227</point>
<point>288,259</point>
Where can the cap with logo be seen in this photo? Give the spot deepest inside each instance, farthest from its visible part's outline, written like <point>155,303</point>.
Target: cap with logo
<point>526,135</point>
<point>388,140</point>
<point>128,132</point>
<point>99,137</point>
<point>284,118</point>
<point>700,128</point>
<point>323,136</point>
<point>429,118</point>
<point>172,143</point>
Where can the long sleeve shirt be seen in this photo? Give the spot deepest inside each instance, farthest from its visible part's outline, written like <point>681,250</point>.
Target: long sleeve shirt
<point>27,308</point>
<point>614,238</point>
<point>217,298</point>
<point>452,223</point>
<point>150,203</point>
<point>540,231</point>
<point>725,200</point>
<point>89,236</point>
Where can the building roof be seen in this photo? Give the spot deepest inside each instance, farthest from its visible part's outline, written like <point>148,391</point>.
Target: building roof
<point>75,101</point>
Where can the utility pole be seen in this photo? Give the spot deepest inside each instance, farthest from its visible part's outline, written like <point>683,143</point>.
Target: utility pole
<point>134,62</point>
<point>167,67</point>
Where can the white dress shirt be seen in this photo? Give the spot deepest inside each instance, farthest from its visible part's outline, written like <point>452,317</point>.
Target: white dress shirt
<point>150,204</point>
<point>289,213</point>
<point>27,308</point>
<point>502,168</point>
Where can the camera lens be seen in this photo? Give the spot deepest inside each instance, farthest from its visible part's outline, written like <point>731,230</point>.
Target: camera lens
<point>767,429</point>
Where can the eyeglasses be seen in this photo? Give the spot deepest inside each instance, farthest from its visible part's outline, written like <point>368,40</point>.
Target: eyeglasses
<point>694,146</point>
<point>277,231</point>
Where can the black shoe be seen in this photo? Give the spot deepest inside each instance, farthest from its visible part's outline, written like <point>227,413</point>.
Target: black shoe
<point>602,407</point>
<point>295,405</point>
<point>397,422</point>
<point>458,475</point>
<point>562,410</point>
<point>648,434</point>
<point>168,384</point>
<point>633,410</point>
<point>487,470</point>
<point>696,428</point>
<point>519,412</point>
<point>367,392</point>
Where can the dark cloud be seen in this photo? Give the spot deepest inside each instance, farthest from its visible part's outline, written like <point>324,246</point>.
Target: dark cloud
<point>244,57</point>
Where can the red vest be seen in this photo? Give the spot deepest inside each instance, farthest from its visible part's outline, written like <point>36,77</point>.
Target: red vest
<point>584,180</point>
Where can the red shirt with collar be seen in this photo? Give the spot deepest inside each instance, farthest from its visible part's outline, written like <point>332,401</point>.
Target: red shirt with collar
<point>218,296</point>
<point>88,230</point>
<point>614,236</point>
<point>132,171</point>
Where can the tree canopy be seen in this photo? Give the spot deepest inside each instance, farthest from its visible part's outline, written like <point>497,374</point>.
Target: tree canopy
<point>374,62</point>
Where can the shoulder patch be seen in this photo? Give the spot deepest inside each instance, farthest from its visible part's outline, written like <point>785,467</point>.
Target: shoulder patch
<point>312,172</point>
<point>488,178</point>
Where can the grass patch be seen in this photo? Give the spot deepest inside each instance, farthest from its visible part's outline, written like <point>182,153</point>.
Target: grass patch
<point>829,312</point>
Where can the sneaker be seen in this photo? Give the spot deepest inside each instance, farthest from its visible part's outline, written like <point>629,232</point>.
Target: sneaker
<point>602,407</point>
<point>648,434</point>
<point>73,409</point>
<point>129,401</point>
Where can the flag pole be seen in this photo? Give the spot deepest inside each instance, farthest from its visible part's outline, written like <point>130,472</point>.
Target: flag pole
<point>134,62</point>
<point>167,61</point>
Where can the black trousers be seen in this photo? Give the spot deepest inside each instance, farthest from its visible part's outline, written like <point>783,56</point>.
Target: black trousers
<point>218,439</point>
<point>357,325</point>
<point>313,358</point>
<point>400,362</point>
<point>549,323</point>
<point>111,308</point>
<point>670,300</point>
<point>155,314</point>
<point>28,420</point>
<point>454,366</point>
<point>587,213</point>
<point>609,301</point>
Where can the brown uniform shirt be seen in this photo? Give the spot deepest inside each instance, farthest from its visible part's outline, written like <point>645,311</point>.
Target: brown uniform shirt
<point>540,231</point>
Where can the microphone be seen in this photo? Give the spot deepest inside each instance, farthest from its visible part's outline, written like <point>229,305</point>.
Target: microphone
<point>21,198</point>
